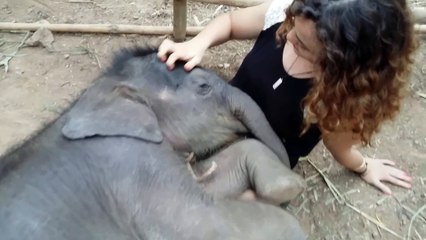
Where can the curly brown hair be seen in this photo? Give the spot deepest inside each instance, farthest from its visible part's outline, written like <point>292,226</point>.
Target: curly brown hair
<point>365,62</point>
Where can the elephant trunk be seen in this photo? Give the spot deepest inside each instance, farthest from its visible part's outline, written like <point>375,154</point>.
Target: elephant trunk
<point>249,113</point>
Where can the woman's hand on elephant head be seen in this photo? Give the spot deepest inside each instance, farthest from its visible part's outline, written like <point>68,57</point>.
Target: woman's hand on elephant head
<point>170,52</point>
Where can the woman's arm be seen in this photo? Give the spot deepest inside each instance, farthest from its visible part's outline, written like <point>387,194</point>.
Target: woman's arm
<point>344,148</point>
<point>244,23</point>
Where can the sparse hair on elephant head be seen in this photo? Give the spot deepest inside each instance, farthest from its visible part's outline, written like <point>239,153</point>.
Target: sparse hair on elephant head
<point>195,111</point>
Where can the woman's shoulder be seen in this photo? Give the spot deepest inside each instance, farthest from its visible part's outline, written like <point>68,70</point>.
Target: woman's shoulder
<point>275,12</point>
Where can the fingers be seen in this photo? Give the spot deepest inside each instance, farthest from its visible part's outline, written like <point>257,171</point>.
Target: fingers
<point>192,63</point>
<point>170,52</point>
<point>398,182</point>
<point>171,60</point>
<point>383,170</point>
<point>398,177</point>
<point>385,189</point>
<point>169,47</point>
<point>165,48</point>
<point>399,174</point>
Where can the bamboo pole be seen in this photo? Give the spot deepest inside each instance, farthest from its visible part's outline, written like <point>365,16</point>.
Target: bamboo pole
<point>179,20</point>
<point>96,28</point>
<point>235,3</point>
<point>420,28</point>
<point>115,28</point>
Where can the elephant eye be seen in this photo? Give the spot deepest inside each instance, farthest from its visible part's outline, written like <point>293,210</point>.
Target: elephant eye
<point>204,89</point>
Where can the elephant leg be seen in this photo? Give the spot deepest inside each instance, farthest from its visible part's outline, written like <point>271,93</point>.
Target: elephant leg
<point>249,164</point>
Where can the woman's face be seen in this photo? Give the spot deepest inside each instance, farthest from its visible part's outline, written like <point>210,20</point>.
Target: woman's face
<point>304,39</point>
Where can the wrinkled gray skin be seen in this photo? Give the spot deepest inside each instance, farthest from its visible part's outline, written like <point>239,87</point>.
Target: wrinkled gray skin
<point>249,164</point>
<point>104,171</point>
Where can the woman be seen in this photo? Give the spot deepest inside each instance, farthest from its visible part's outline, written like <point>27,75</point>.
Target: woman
<point>333,70</point>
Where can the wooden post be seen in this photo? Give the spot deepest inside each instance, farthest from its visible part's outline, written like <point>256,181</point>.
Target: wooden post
<point>179,20</point>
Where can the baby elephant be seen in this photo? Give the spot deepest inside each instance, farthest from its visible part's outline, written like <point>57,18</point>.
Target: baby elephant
<point>109,167</point>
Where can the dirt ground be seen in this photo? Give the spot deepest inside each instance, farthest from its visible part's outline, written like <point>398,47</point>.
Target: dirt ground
<point>41,82</point>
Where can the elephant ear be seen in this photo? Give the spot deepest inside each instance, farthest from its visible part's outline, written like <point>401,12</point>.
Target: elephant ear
<point>120,116</point>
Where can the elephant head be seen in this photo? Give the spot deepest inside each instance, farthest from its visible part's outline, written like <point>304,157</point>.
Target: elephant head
<point>196,111</point>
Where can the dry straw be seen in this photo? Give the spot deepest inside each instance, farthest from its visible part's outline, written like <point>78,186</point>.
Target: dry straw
<point>342,200</point>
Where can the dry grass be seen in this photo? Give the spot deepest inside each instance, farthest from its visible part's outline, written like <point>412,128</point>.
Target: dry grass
<point>341,199</point>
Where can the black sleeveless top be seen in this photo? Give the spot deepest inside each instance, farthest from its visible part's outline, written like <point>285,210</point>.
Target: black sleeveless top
<point>260,70</point>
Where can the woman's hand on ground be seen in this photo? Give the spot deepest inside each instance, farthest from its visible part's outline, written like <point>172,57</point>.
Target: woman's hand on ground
<point>169,52</point>
<point>383,170</point>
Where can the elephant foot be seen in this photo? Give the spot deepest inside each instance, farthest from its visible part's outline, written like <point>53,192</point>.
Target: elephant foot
<point>276,195</point>
<point>282,190</point>
<point>190,160</point>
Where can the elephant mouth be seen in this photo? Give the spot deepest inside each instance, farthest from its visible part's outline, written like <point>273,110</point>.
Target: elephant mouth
<point>177,143</point>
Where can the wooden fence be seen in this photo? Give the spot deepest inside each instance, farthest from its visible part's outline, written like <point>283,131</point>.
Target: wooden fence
<point>179,30</point>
